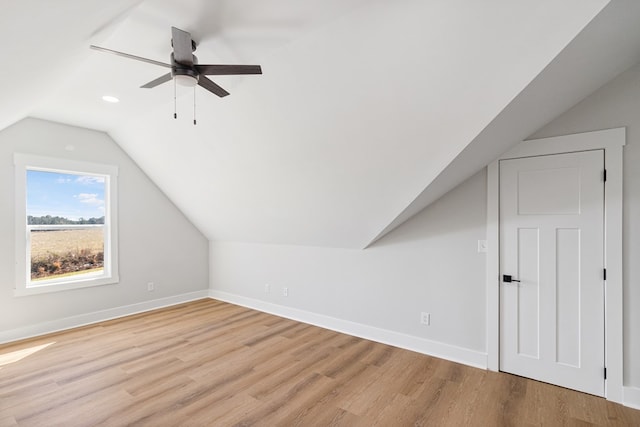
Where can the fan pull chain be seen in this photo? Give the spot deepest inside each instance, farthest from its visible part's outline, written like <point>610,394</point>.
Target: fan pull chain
<point>175,102</point>
<point>194,105</point>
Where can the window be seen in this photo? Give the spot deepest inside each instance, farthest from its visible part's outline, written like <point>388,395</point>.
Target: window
<point>66,224</point>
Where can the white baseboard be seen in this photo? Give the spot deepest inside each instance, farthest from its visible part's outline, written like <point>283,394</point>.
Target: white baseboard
<point>97,316</point>
<point>432,348</point>
<point>632,397</point>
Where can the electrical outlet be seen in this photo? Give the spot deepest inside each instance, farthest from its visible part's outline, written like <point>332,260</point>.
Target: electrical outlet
<point>267,288</point>
<point>425,318</point>
<point>285,292</point>
<point>151,286</point>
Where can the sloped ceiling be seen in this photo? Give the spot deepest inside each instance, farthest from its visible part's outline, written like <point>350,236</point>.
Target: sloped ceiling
<point>366,112</point>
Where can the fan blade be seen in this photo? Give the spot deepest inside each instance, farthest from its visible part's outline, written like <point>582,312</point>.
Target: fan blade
<point>182,52</point>
<point>221,70</point>
<point>158,81</point>
<point>211,86</point>
<point>126,55</point>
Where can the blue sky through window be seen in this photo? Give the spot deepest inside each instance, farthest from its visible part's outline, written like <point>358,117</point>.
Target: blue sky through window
<point>66,195</point>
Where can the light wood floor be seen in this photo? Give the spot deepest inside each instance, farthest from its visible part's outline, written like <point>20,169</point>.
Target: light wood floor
<point>209,363</point>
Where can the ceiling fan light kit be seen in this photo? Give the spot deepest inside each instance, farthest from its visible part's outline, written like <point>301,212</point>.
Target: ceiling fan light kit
<point>185,70</point>
<point>187,81</point>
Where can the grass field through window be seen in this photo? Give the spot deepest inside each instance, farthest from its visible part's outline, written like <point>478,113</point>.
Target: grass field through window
<point>66,252</point>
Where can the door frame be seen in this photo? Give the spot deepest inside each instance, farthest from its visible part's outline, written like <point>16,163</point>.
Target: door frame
<point>612,142</point>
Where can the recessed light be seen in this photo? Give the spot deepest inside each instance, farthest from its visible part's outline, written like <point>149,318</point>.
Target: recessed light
<point>111,99</point>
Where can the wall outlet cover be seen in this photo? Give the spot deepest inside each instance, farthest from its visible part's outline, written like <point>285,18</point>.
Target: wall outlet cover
<point>425,318</point>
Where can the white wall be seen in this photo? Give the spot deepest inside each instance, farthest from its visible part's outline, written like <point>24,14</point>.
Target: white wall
<point>614,105</point>
<point>156,242</point>
<point>429,264</point>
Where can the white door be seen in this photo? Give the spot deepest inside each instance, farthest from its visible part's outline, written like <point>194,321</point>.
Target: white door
<point>552,246</point>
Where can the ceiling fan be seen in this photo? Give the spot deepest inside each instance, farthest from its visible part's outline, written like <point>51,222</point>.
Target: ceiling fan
<point>184,66</point>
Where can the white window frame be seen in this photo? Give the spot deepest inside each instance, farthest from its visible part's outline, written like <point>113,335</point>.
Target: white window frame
<point>23,284</point>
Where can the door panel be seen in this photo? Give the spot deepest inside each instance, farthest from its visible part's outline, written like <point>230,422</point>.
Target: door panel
<point>528,305</point>
<point>552,242</point>
<point>568,296</point>
<point>560,196</point>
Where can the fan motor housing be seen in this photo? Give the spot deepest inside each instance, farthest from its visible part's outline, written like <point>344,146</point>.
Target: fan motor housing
<point>178,69</point>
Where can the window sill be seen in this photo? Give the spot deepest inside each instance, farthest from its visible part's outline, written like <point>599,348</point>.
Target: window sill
<point>65,286</point>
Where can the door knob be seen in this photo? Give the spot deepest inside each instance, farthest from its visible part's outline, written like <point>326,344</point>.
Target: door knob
<point>508,278</point>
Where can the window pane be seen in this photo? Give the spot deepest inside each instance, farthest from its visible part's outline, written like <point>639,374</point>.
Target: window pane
<point>65,223</point>
<point>69,251</point>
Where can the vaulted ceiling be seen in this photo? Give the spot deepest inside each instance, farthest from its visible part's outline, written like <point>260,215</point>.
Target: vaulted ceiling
<point>367,111</point>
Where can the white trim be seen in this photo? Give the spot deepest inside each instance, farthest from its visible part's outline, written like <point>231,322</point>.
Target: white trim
<point>432,348</point>
<point>493,268</point>
<point>109,275</point>
<point>632,397</point>
<point>614,327</point>
<point>97,316</point>
<point>612,141</point>
<point>86,280</point>
<point>597,140</point>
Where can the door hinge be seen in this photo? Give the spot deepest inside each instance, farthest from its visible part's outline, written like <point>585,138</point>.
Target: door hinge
<point>604,274</point>
<point>604,175</point>
<point>605,373</point>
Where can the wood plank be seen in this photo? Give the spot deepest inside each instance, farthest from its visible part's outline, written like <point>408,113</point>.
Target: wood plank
<point>212,363</point>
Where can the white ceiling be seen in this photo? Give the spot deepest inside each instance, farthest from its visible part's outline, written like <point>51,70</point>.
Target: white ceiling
<point>366,111</point>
